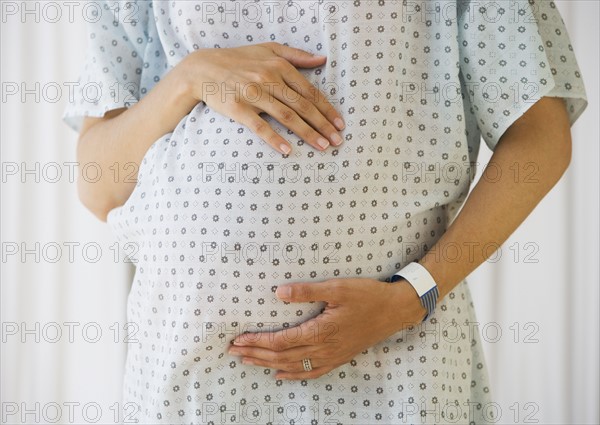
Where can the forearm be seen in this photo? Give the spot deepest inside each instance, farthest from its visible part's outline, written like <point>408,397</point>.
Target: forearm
<point>498,205</point>
<point>124,138</point>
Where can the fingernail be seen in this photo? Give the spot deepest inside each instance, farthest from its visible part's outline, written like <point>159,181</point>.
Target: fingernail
<point>284,292</point>
<point>339,123</point>
<point>322,142</point>
<point>239,343</point>
<point>336,139</point>
<point>285,148</point>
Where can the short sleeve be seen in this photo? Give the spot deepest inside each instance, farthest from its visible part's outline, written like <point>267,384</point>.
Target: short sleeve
<point>511,55</point>
<point>111,74</point>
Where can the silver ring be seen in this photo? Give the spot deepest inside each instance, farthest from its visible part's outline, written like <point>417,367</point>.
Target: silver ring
<point>307,365</point>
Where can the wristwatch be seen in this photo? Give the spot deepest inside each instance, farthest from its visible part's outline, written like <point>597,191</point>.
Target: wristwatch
<point>422,281</point>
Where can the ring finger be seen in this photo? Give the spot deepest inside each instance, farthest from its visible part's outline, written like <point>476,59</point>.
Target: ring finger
<point>296,366</point>
<point>289,360</point>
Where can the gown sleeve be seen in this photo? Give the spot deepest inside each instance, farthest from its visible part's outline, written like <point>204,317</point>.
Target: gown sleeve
<point>111,73</point>
<point>511,55</point>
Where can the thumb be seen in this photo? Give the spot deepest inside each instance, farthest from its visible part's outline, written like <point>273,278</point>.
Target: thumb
<point>305,292</point>
<point>298,57</point>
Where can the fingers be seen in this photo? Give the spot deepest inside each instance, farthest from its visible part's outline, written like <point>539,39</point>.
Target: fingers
<point>289,118</point>
<point>297,57</point>
<point>251,119</point>
<point>329,290</point>
<point>313,332</point>
<point>313,374</point>
<point>290,359</point>
<point>311,93</point>
<point>307,101</point>
<point>292,371</point>
<point>295,111</point>
<point>314,110</point>
<point>289,363</point>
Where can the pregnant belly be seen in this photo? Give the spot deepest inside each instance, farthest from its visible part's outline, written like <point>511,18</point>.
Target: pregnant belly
<point>219,219</point>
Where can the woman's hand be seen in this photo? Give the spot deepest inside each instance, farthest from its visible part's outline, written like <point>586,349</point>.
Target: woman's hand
<point>360,312</point>
<point>229,80</point>
<point>242,82</point>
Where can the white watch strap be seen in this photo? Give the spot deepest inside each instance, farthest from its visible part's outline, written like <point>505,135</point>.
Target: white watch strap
<point>422,281</point>
<point>418,277</point>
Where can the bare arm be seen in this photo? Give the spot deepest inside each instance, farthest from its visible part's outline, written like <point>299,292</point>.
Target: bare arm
<point>123,136</point>
<point>496,207</point>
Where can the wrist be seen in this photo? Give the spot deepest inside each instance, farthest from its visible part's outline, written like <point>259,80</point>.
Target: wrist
<point>187,85</point>
<point>444,274</point>
<point>423,283</point>
<point>407,306</point>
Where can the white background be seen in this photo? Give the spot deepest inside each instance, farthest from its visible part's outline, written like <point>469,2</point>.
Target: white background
<point>542,294</point>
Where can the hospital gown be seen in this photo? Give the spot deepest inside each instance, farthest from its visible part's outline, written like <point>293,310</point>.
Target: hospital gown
<point>219,219</point>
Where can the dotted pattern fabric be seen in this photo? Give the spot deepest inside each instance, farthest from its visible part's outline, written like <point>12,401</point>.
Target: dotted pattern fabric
<point>220,219</point>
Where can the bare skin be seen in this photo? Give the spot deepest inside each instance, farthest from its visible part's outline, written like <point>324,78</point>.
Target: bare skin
<point>491,213</point>
<point>264,78</point>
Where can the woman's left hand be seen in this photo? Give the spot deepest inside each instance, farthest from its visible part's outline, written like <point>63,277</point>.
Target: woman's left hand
<point>360,312</point>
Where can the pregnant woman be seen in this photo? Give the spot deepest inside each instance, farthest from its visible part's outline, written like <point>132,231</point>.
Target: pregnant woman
<point>289,158</point>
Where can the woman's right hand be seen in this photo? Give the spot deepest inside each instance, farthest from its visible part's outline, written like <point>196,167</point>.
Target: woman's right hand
<point>242,82</point>
<point>122,136</point>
